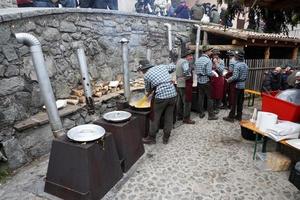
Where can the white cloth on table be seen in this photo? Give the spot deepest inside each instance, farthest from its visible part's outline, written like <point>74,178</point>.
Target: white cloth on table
<point>284,130</point>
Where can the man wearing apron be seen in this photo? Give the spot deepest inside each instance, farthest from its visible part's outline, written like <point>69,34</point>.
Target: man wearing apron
<point>217,83</point>
<point>184,81</point>
<point>238,78</point>
<point>158,82</point>
<point>203,69</point>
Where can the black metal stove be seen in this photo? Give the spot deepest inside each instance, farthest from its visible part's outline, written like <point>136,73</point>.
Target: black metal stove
<point>82,171</point>
<point>128,140</point>
<point>143,120</point>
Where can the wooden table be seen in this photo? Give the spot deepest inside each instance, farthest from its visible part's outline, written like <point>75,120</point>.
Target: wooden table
<point>251,126</point>
<point>252,94</point>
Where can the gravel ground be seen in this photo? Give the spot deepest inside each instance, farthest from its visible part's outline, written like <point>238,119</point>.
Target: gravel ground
<point>208,160</point>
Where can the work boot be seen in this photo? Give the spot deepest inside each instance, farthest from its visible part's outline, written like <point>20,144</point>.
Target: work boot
<point>148,140</point>
<point>188,121</point>
<point>165,140</point>
<point>223,107</point>
<point>212,117</point>
<point>228,119</point>
<point>179,118</point>
<point>202,115</point>
<point>238,118</point>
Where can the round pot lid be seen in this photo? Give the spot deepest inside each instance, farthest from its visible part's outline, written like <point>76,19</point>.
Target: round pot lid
<point>86,133</point>
<point>117,116</point>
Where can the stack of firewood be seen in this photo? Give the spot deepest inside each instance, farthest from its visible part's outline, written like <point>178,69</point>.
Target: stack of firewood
<point>100,89</point>
<point>138,83</point>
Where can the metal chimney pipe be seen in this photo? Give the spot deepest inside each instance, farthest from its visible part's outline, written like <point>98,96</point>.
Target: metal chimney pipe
<point>169,36</point>
<point>124,42</point>
<point>148,56</point>
<point>197,40</point>
<point>86,81</point>
<point>44,81</point>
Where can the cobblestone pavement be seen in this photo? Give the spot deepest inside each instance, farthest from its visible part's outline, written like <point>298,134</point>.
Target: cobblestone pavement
<point>208,160</point>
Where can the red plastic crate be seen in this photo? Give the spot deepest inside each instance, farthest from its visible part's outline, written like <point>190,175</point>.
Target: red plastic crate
<point>285,110</point>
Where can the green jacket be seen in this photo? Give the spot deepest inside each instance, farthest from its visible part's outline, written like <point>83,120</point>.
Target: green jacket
<point>197,12</point>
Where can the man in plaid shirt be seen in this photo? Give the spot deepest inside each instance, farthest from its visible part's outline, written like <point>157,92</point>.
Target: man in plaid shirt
<point>239,77</point>
<point>203,69</point>
<point>159,82</point>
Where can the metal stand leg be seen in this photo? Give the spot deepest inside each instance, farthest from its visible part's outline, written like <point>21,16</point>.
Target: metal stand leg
<point>255,145</point>
<point>264,147</point>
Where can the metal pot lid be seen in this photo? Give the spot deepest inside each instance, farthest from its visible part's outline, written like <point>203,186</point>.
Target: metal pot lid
<point>117,116</point>
<point>86,133</point>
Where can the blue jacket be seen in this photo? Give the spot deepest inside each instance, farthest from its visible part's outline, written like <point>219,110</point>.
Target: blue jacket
<point>182,12</point>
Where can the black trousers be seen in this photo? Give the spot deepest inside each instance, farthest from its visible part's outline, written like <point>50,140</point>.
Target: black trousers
<point>205,90</point>
<point>237,107</point>
<point>163,106</point>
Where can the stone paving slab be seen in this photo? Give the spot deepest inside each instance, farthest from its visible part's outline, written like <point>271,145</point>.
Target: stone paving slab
<point>208,160</point>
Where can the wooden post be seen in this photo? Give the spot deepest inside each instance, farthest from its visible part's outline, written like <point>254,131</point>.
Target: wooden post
<point>267,57</point>
<point>267,53</point>
<point>205,41</point>
<point>295,53</point>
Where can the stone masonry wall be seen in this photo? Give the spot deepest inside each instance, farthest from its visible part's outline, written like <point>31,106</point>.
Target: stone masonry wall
<point>8,3</point>
<point>60,32</point>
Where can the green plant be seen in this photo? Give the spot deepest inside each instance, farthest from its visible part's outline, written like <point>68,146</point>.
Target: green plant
<point>276,19</point>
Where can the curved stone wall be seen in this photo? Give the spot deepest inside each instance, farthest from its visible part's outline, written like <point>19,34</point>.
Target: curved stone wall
<point>61,31</point>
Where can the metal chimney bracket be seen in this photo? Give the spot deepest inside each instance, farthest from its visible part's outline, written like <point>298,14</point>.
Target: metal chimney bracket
<point>124,40</point>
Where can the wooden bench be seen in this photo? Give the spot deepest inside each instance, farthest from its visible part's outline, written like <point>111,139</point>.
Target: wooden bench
<point>252,94</point>
<point>251,126</point>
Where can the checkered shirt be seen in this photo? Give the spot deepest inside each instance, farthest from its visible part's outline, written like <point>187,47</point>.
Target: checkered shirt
<point>203,69</point>
<point>231,65</point>
<point>220,67</point>
<point>159,77</point>
<point>240,74</point>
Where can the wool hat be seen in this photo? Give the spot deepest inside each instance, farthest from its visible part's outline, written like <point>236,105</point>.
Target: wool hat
<point>240,54</point>
<point>216,52</point>
<point>186,53</point>
<point>206,48</point>
<point>144,64</point>
<point>230,53</point>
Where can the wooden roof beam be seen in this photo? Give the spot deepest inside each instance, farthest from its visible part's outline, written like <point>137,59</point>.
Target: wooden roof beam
<point>220,47</point>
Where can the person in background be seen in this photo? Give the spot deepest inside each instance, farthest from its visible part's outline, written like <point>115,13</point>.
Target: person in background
<point>170,10</point>
<point>68,3</point>
<point>292,78</point>
<point>214,16</point>
<point>184,81</point>
<point>239,77</point>
<point>229,88</point>
<point>272,80</point>
<point>197,11</point>
<point>182,11</point>
<point>207,9</point>
<point>99,4</point>
<point>217,82</point>
<point>113,4</point>
<point>203,69</point>
<point>297,82</point>
<point>158,83</point>
<point>24,3</point>
<point>44,3</point>
<point>286,73</point>
<point>225,22</point>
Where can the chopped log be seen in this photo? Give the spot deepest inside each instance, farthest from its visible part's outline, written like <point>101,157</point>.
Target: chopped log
<point>73,97</point>
<point>73,101</point>
<point>98,94</point>
<point>82,99</point>
<point>77,92</point>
